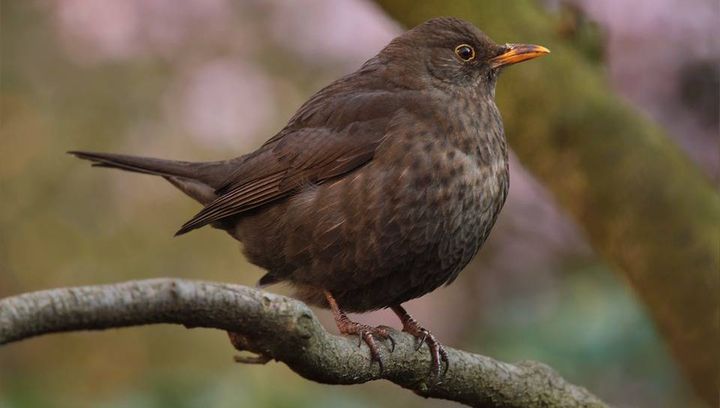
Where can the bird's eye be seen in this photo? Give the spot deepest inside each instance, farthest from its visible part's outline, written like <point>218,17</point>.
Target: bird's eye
<point>465,52</point>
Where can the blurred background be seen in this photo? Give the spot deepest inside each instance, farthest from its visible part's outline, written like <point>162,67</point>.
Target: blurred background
<point>212,79</point>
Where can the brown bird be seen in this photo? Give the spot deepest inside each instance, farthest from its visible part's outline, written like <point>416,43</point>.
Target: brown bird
<point>382,186</point>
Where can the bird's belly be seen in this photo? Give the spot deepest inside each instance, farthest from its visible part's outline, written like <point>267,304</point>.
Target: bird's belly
<point>388,233</point>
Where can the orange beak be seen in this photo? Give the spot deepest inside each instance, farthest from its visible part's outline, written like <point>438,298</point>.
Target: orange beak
<point>515,53</point>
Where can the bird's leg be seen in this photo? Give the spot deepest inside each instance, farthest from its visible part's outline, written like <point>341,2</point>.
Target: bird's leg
<point>364,332</point>
<point>437,352</point>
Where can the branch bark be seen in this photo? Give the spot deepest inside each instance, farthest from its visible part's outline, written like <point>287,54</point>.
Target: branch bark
<point>286,330</point>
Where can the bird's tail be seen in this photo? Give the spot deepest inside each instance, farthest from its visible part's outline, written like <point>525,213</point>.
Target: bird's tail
<point>199,180</point>
<point>147,165</point>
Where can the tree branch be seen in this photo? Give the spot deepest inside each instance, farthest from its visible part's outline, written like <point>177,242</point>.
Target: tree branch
<point>284,329</point>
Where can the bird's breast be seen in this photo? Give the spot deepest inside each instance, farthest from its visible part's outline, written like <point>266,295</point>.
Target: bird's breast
<point>439,196</point>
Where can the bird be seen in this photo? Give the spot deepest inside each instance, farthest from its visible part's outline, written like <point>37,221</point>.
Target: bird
<point>381,187</point>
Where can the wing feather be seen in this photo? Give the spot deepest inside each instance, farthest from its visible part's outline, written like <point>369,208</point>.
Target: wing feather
<point>319,143</point>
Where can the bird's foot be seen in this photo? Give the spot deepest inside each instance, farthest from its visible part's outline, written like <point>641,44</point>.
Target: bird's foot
<point>437,351</point>
<point>365,333</point>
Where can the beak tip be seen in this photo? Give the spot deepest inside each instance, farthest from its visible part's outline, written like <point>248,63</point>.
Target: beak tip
<point>515,53</point>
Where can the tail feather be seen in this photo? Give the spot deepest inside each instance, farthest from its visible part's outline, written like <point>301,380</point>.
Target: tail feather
<point>198,180</point>
<point>144,165</point>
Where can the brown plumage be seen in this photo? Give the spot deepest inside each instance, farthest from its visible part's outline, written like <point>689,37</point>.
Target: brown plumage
<point>380,188</point>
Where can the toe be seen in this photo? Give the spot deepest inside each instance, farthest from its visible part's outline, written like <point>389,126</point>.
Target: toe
<point>369,339</point>
<point>422,339</point>
<point>383,332</point>
<point>444,358</point>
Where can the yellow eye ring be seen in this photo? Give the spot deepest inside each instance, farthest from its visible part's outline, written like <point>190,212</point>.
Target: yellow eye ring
<point>465,52</point>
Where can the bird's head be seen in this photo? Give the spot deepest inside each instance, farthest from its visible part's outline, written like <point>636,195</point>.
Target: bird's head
<point>451,52</point>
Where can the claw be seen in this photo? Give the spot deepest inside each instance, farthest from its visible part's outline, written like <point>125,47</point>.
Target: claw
<point>374,352</point>
<point>444,356</point>
<point>438,354</point>
<point>422,339</point>
<point>386,336</point>
<point>368,334</point>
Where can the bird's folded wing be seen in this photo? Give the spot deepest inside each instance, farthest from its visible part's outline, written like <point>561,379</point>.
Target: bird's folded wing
<point>302,153</point>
